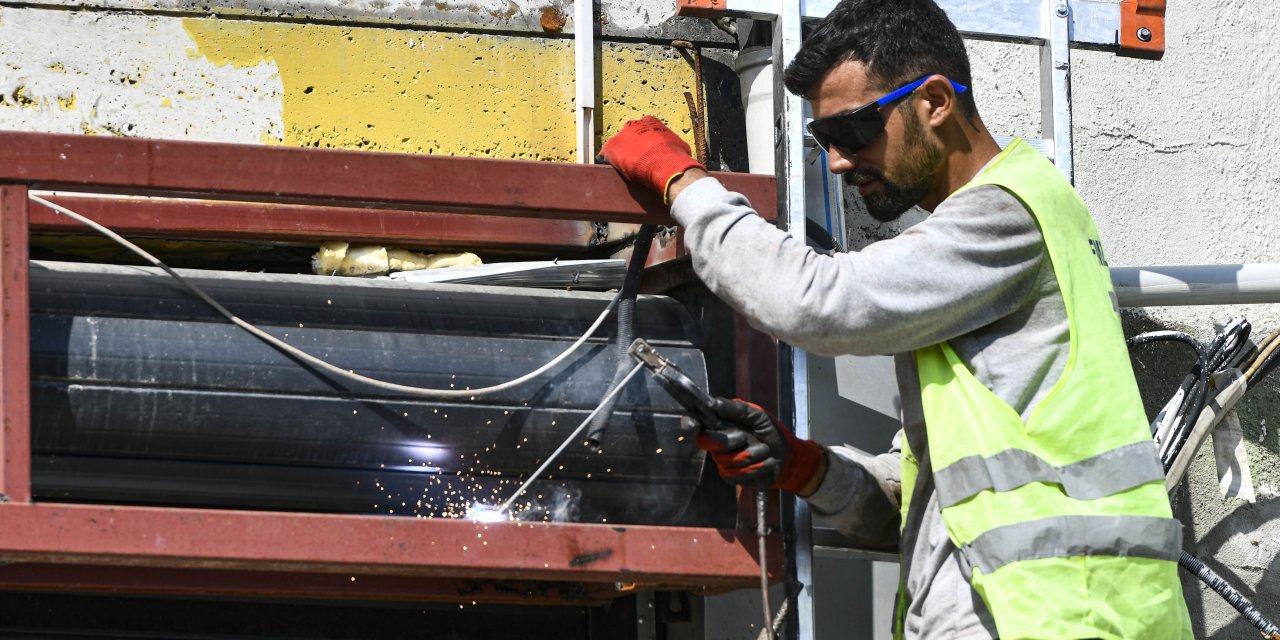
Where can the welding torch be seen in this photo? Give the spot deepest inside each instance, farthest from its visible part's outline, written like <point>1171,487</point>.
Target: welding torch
<point>698,403</point>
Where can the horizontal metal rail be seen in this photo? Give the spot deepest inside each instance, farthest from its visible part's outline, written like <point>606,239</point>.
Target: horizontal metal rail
<point>338,178</point>
<point>1185,285</point>
<point>375,545</point>
<point>248,221</point>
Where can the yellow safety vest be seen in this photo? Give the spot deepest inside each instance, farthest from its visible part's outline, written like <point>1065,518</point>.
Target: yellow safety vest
<point>1061,522</point>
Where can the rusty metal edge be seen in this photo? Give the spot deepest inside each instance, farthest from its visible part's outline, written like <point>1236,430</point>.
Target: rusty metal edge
<point>329,177</point>
<point>373,545</point>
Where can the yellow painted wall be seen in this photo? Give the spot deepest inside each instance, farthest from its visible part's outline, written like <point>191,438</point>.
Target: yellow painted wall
<point>443,93</point>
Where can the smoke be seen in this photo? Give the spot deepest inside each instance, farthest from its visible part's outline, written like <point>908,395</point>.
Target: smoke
<point>550,504</point>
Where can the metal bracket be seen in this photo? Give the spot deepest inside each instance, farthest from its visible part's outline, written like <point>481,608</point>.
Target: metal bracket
<point>701,8</point>
<point>1142,28</point>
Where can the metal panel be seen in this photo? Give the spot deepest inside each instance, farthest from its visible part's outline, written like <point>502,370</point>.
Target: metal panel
<point>1095,24</point>
<point>15,369</point>
<point>1055,86</point>
<point>342,178</point>
<point>358,545</point>
<point>220,220</point>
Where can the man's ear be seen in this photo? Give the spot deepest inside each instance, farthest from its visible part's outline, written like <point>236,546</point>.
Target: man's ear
<point>938,100</point>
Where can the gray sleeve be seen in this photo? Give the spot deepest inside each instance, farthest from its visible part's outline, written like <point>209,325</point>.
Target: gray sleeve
<point>974,260</point>
<point>862,494</point>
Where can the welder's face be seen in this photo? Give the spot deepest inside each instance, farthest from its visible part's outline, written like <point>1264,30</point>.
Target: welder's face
<point>894,171</point>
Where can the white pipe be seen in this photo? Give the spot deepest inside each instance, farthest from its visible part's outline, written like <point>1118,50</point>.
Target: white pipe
<point>584,78</point>
<point>1185,285</point>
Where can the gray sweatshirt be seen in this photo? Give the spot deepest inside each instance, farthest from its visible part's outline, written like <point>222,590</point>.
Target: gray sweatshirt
<point>975,273</point>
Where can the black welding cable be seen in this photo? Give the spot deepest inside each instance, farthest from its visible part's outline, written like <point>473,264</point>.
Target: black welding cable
<point>1213,358</point>
<point>626,326</point>
<point>1192,564</point>
<point>1194,399</point>
<point>1225,344</point>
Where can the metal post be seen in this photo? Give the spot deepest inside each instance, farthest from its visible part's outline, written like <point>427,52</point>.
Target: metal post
<point>585,78</point>
<point>1055,84</point>
<point>791,206</point>
<point>15,347</point>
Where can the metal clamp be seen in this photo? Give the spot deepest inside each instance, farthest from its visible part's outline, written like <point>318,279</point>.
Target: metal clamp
<point>1142,29</point>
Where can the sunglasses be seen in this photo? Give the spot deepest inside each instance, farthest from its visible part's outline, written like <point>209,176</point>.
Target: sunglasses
<point>854,130</point>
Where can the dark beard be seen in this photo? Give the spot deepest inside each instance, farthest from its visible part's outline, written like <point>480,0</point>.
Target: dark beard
<point>894,199</point>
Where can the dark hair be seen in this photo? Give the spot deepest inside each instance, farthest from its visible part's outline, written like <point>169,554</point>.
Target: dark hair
<point>898,40</point>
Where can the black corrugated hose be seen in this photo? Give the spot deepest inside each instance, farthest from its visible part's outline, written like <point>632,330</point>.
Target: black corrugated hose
<point>626,325</point>
<point>1268,629</point>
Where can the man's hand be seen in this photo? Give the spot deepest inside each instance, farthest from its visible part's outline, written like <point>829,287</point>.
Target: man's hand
<point>751,446</point>
<point>649,154</point>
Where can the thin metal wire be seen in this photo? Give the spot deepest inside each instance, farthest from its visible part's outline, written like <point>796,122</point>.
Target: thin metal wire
<point>613,393</point>
<point>762,530</point>
<point>310,359</point>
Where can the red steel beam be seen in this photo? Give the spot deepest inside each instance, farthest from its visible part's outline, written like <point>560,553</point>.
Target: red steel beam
<point>328,586</point>
<point>342,178</point>
<point>223,220</point>
<point>15,354</point>
<point>371,545</point>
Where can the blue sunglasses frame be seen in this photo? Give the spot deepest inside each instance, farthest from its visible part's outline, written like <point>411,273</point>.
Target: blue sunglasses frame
<point>853,131</point>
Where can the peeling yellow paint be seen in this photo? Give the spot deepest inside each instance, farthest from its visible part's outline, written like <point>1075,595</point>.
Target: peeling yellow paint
<point>23,100</point>
<point>443,93</point>
<point>68,103</point>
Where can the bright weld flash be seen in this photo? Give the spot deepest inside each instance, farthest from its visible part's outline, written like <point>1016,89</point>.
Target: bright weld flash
<point>481,512</point>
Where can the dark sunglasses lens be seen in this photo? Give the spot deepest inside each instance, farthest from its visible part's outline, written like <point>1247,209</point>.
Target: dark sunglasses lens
<point>851,132</point>
<point>819,136</point>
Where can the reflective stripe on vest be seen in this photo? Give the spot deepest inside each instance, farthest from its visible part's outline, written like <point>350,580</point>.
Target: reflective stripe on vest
<point>1123,536</point>
<point>1105,474</point>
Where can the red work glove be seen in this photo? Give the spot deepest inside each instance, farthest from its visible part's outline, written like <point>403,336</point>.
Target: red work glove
<point>751,446</point>
<point>649,154</point>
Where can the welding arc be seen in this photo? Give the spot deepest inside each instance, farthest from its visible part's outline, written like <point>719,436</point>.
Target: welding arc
<point>322,365</point>
<point>607,400</point>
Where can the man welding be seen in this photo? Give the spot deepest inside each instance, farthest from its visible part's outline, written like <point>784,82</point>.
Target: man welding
<point>1023,491</point>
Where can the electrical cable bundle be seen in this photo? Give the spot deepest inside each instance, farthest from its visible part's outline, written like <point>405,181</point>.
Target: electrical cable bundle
<point>1185,420</point>
<point>1174,424</point>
